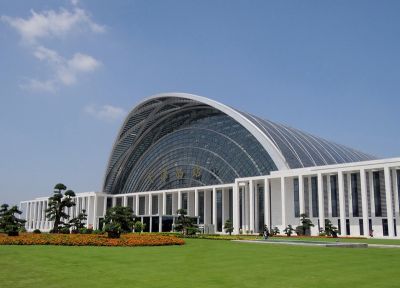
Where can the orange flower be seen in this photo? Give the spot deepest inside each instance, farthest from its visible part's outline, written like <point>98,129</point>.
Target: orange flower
<point>128,240</point>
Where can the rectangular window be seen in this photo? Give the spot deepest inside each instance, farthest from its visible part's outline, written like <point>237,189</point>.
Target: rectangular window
<point>142,205</point>
<point>296,197</point>
<point>130,202</point>
<point>339,225</point>
<point>314,194</point>
<point>334,196</point>
<point>109,203</point>
<point>361,224</point>
<point>154,205</point>
<point>219,211</point>
<point>261,211</point>
<point>201,207</point>
<point>168,201</point>
<point>347,227</point>
<point>118,201</point>
<point>354,194</point>
<point>184,201</point>
<point>377,193</point>
<point>385,227</point>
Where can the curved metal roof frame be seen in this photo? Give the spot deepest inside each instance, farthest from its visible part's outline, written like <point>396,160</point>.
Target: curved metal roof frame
<point>264,140</point>
<point>287,147</point>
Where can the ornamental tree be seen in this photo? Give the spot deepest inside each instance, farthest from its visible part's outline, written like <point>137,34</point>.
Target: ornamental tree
<point>57,203</point>
<point>78,222</point>
<point>306,224</point>
<point>288,230</point>
<point>330,230</point>
<point>9,223</point>
<point>118,219</point>
<point>185,224</point>
<point>228,227</point>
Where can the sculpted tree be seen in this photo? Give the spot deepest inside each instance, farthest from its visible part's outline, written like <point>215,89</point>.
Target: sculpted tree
<point>9,223</point>
<point>228,227</point>
<point>57,203</point>
<point>185,224</point>
<point>78,222</point>
<point>118,219</point>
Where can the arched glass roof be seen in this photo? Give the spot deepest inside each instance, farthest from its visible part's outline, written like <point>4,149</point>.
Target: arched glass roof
<point>168,138</point>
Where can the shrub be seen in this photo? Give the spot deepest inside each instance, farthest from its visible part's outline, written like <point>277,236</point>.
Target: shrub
<point>37,231</point>
<point>64,230</point>
<point>139,226</point>
<point>85,231</point>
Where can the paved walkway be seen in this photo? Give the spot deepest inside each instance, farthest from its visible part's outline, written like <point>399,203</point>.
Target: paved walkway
<point>319,243</point>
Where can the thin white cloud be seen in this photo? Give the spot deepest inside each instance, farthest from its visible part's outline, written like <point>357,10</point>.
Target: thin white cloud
<point>105,112</point>
<point>50,24</point>
<point>55,24</point>
<point>66,70</point>
<point>39,86</point>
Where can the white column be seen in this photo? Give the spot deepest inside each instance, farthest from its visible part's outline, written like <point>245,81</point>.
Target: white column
<point>125,201</point>
<point>321,210</point>
<point>267,204</point>
<point>35,214</point>
<point>164,206</point>
<point>95,224</point>
<point>342,204</point>
<point>364,201</point>
<point>104,206</point>
<point>196,202</point>
<point>137,204</point>
<point>283,197</point>
<point>150,205</point>
<point>243,198</point>
<point>389,201</point>
<point>179,199</point>
<point>235,214</point>
<point>27,216</point>
<point>214,216</point>
<point>301,195</point>
<point>251,206</point>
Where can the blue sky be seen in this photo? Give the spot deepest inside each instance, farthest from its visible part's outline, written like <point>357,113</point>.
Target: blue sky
<point>71,70</point>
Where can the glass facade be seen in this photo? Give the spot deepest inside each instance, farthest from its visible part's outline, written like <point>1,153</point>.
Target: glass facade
<point>354,194</point>
<point>334,196</point>
<point>154,204</point>
<point>168,207</point>
<point>142,205</point>
<point>261,211</point>
<point>184,201</point>
<point>314,196</point>
<point>219,210</point>
<point>296,197</point>
<point>178,142</point>
<point>377,193</point>
<point>201,207</point>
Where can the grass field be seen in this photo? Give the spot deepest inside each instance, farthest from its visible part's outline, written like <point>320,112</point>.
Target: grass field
<point>199,263</point>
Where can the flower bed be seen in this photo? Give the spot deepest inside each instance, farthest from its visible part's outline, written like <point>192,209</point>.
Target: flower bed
<point>128,240</point>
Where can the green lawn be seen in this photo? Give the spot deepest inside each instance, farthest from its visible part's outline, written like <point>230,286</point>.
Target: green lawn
<point>199,263</point>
